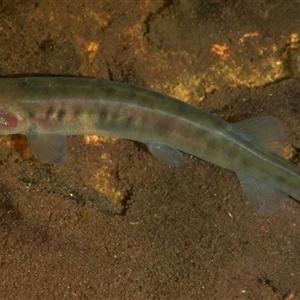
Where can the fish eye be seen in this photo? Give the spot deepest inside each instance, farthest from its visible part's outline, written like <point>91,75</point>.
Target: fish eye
<point>8,121</point>
<point>3,122</point>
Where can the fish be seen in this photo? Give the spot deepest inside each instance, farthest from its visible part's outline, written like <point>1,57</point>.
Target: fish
<point>48,109</point>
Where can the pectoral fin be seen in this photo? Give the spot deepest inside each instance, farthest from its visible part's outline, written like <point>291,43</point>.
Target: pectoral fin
<point>169,156</point>
<point>264,198</point>
<point>49,148</point>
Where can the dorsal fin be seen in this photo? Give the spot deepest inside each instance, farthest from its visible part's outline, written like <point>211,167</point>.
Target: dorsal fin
<point>267,132</point>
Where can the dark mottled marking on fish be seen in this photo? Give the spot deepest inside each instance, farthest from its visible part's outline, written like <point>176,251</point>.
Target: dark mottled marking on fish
<point>61,114</point>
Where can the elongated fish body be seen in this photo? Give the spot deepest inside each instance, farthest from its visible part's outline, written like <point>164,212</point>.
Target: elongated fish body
<point>47,109</point>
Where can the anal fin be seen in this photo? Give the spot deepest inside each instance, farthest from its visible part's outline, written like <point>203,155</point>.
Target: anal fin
<point>264,198</point>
